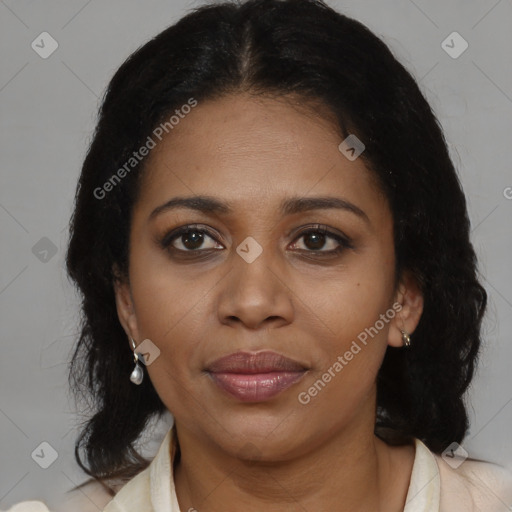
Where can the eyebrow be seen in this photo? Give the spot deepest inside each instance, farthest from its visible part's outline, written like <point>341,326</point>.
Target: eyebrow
<point>210,205</point>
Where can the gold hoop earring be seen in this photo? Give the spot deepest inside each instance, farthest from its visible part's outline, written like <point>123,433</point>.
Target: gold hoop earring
<point>406,339</point>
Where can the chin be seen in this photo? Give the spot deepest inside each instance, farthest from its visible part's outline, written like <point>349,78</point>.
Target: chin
<point>257,441</point>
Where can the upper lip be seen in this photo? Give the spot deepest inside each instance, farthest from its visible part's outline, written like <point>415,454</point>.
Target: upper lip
<point>250,362</point>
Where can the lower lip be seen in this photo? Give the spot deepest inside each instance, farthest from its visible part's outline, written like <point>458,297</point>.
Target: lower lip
<point>256,387</point>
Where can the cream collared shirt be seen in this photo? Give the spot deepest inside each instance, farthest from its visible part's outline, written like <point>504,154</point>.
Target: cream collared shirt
<point>435,486</point>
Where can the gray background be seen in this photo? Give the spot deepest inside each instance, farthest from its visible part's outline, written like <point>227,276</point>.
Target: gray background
<point>48,109</point>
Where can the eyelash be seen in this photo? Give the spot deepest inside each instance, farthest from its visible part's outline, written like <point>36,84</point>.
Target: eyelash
<point>344,242</point>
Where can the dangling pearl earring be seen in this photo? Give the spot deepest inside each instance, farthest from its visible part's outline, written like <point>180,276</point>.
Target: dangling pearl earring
<point>137,373</point>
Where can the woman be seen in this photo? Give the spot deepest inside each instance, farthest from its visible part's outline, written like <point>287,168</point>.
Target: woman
<point>272,245</point>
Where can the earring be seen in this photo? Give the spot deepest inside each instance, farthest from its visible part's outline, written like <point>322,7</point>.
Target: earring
<point>406,339</point>
<point>137,373</point>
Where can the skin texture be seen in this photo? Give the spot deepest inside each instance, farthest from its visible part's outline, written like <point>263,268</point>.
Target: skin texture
<point>278,454</point>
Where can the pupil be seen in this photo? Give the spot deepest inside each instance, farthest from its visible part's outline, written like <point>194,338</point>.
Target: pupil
<point>195,238</point>
<point>318,240</point>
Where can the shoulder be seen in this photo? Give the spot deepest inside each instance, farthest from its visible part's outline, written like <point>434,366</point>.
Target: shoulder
<point>28,506</point>
<point>480,485</point>
<point>89,498</point>
<point>92,497</point>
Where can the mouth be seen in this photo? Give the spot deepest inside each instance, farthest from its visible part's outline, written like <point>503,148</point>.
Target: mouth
<point>255,377</point>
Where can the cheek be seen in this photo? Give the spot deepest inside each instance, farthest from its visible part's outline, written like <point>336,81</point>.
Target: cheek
<point>351,301</point>
<point>174,322</point>
<point>167,296</point>
<point>169,310</point>
<point>351,350</point>
<point>174,374</point>
<point>347,318</point>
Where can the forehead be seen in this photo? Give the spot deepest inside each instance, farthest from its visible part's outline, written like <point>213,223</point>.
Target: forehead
<point>251,151</point>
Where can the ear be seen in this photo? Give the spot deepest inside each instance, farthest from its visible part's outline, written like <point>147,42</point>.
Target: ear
<point>125,307</point>
<point>410,297</point>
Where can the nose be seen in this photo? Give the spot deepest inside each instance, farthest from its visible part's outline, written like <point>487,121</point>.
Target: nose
<point>256,295</point>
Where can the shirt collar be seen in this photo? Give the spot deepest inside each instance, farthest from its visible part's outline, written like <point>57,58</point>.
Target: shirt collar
<point>163,492</point>
<point>425,484</point>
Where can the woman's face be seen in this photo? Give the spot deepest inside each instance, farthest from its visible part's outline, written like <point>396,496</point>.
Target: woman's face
<point>255,281</point>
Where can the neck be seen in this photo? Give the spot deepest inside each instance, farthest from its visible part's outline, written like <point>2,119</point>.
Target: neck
<point>352,471</point>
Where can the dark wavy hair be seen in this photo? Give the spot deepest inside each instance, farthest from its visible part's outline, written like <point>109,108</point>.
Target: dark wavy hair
<point>279,48</point>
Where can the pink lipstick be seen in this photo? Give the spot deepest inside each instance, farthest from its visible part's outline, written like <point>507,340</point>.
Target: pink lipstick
<point>255,377</point>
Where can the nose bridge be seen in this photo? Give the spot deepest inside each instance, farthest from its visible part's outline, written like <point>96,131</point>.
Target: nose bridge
<point>252,266</point>
<point>254,290</point>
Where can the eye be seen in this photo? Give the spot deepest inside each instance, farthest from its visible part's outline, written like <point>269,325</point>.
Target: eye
<point>317,238</point>
<point>189,239</point>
